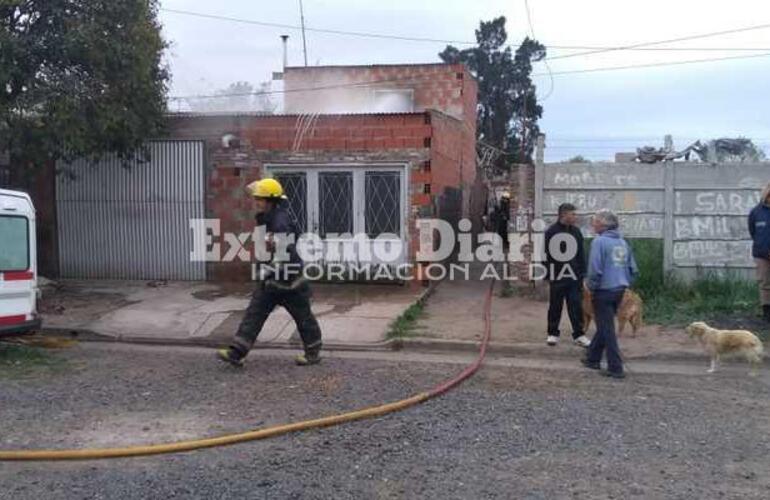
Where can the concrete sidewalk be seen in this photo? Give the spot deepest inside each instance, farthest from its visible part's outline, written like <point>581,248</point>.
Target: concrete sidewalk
<point>209,313</point>
<point>452,321</point>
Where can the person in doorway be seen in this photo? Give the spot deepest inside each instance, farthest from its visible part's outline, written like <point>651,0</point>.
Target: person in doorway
<point>566,277</point>
<point>759,229</point>
<point>282,285</point>
<point>611,269</point>
<point>500,217</point>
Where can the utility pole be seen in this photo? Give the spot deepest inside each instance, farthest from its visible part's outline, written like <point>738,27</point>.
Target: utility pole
<point>302,18</point>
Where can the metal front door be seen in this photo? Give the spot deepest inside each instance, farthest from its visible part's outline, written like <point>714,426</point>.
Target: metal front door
<point>131,220</point>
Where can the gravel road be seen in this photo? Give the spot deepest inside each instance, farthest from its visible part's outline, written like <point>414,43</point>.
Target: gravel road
<point>510,432</point>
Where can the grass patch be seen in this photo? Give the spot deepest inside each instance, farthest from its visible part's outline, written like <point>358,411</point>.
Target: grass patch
<point>404,325</point>
<point>506,289</point>
<point>672,301</point>
<point>19,360</point>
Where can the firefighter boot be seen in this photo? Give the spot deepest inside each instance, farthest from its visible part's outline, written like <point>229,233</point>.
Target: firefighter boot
<point>229,355</point>
<point>311,357</point>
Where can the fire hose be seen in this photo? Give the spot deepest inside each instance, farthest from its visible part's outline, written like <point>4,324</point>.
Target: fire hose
<point>180,446</point>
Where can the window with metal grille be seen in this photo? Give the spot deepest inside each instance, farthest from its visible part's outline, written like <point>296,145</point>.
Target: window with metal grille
<point>335,191</point>
<point>383,203</point>
<point>295,189</point>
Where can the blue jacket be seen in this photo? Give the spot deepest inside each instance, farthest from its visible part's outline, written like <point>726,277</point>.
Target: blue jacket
<point>759,229</point>
<point>611,265</point>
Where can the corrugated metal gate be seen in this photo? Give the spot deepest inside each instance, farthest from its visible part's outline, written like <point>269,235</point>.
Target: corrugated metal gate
<point>120,220</point>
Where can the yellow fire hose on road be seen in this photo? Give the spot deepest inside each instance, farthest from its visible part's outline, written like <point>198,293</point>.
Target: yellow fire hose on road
<point>157,449</point>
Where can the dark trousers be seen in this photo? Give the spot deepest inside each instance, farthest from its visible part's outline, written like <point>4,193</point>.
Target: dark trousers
<point>606,304</point>
<point>572,292</point>
<point>264,299</point>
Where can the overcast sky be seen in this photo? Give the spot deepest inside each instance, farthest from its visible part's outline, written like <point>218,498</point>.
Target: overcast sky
<point>592,114</point>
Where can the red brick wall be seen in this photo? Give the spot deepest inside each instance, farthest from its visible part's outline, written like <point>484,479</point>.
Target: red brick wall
<point>444,87</point>
<point>340,132</point>
<point>439,149</point>
<point>453,156</point>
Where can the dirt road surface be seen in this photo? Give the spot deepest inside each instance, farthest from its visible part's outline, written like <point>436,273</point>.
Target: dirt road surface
<point>520,429</point>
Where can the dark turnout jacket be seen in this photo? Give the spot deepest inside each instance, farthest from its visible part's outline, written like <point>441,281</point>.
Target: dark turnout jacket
<point>578,262</point>
<point>279,222</point>
<point>759,229</point>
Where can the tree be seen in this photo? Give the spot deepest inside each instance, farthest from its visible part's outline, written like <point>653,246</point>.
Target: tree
<point>238,96</point>
<point>578,159</point>
<point>737,150</point>
<point>79,78</point>
<point>508,110</point>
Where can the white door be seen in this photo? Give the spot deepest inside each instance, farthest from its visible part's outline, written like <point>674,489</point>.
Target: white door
<point>358,212</point>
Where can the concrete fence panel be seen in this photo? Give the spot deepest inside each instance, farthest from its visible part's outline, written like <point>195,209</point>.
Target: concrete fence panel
<point>698,210</point>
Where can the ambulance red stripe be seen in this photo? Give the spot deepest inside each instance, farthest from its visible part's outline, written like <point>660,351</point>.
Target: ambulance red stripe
<point>18,276</point>
<point>12,320</point>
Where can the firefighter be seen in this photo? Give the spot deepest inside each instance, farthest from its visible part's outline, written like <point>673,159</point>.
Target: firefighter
<point>281,285</point>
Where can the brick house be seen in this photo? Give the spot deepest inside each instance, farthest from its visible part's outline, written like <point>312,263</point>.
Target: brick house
<point>359,149</point>
<point>353,158</point>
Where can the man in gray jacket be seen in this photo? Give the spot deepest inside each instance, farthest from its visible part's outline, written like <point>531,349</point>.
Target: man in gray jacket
<point>611,269</point>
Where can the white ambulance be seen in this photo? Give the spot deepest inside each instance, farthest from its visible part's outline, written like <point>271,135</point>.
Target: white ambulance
<point>18,264</point>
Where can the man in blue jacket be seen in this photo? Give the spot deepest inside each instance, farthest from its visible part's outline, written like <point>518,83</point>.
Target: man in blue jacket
<point>759,229</point>
<point>611,269</point>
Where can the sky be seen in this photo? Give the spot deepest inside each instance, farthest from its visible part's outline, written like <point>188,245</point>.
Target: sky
<point>590,114</point>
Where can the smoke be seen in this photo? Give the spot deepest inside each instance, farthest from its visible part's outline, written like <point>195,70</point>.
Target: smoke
<point>350,101</point>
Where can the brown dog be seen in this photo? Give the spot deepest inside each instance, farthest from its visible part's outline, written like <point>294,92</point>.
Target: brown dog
<point>630,310</point>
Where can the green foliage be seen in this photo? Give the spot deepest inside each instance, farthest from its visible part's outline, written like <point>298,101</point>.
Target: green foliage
<point>672,301</point>
<point>746,150</point>
<point>506,289</point>
<point>79,78</point>
<point>578,159</point>
<point>20,360</point>
<point>508,109</point>
<point>404,325</point>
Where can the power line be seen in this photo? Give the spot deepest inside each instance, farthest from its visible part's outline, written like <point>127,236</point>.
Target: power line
<point>594,49</point>
<point>316,30</point>
<point>545,60</point>
<point>303,28</point>
<point>423,77</point>
<point>660,49</point>
<point>662,42</point>
<point>652,65</point>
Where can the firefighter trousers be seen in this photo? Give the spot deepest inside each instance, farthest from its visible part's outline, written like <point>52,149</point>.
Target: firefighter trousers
<point>295,299</point>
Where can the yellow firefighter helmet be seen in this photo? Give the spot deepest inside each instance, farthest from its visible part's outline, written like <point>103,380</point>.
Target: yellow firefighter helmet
<point>266,188</point>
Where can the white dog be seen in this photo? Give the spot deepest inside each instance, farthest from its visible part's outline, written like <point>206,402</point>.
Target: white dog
<point>722,342</point>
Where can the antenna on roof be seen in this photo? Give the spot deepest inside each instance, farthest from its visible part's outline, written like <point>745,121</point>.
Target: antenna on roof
<point>285,40</point>
<point>302,18</point>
